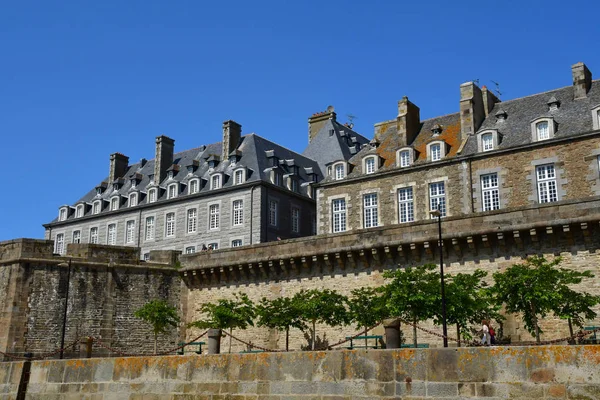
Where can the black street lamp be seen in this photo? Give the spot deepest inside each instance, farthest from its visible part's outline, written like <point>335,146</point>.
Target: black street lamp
<point>438,213</point>
<point>64,321</point>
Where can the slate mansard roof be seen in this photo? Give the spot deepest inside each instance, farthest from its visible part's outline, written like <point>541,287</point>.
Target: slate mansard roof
<point>253,152</point>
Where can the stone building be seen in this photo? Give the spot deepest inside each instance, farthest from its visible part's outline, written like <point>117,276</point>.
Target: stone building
<point>241,191</point>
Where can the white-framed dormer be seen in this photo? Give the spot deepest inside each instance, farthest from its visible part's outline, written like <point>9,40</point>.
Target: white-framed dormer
<point>133,199</point>
<point>436,150</point>
<point>370,164</point>
<point>239,176</point>
<point>115,202</point>
<point>79,210</point>
<point>63,213</point>
<point>488,140</point>
<point>152,195</point>
<point>405,157</point>
<point>596,117</point>
<point>193,186</point>
<point>172,190</point>
<point>97,207</point>
<point>276,177</point>
<point>216,181</point>
<point>542,129</point>
<point>340,170</point>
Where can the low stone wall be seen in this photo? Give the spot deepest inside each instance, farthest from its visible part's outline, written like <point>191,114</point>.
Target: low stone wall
<point>557,372</point>
<point>10,376</point>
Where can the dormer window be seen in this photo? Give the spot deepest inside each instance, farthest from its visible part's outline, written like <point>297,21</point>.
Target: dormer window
<point>133,183</point>
<point>436,151</point>
<point>79,211</point>
<point>96,207</point>
<point>114,204</point>
<point>370,164</point>
<point>152,195</point>
<point>172,191</point>
<point>542,129</point>
<point>99,190</point>
<point>339,171</point>
<point>215,182</point>
<point>115,187</point>
<point>405,157</point>
<point>170,175</point>
<point>596,117</point>
<point>293,184</point>
<point>239,176</point>
<point>436,130</point>
<point>276,177</point>
<point>133,200</point>
<point>487,141</point>
<point>194,186</point>
<point>62,214</point>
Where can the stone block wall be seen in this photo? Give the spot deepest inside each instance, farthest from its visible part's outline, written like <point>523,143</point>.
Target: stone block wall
<point>558,372</point>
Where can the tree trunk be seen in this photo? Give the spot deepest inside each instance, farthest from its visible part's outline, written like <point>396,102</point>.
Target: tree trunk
<point>287,338</point>
<point>572,341</point>
<point>415,332</point>
<point>366,330</point>
<point>535,323</point>
<point>230,330</point>
<point>313,334</point>
<point>458,335</point>
<point>155,342</point>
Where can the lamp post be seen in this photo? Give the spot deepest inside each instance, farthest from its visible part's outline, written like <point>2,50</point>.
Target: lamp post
<point>438,213</point>
<point>64,321</point>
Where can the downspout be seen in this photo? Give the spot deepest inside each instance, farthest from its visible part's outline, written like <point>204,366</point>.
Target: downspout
<point>139,231</point>
<point>471,185</point>
<point>251,211</point>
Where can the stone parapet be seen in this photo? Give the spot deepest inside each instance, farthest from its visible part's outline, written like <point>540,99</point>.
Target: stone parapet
<point>104,253</point>
<point>491,373</point>
<point>15,249</point>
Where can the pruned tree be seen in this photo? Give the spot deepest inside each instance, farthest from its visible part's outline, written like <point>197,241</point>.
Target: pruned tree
<point>161,315</point>
<point>413,294</point>
<point>537,287</point>
<point>281,313</point>
<point>576,307</point>
<point>227,314</point>
<point>324,306</point>
<point>367,307</point>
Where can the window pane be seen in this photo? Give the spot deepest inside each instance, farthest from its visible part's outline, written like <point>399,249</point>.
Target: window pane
<point>339,215</point>
<point>406,205</point>
<point>437,197</point>
<point>370,210</point>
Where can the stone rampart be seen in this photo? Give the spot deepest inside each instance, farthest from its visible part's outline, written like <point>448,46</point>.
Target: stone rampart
<point>558,372</point>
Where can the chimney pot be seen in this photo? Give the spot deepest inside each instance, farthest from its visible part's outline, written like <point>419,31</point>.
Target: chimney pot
<point>582,80</point>
<point>163,157</point>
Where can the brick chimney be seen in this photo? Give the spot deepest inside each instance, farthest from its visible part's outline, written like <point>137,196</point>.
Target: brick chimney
<point>318,120</point>
<point>472,108</point>
<point>118,166</point>
<point>582,80</point>
<point>489,99</point>
<point>408,121</point>
<point>163,157</point>
<point>232,133</point>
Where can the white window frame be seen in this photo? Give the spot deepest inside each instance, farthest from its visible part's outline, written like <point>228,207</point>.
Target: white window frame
<point>535,132</point>
<point>172,191</point>
<point>547,185</point>
<point>97,207</point>
<point>237,243</point>
<point>406,205</point>
<point>152,195</point>
<point>62,214</point>
<point>596,117</point>
<point>133,197</point>
<point>192,220</point>
<point>59,244</point>
<point>490,192</point>
<point>273,212</point>
<point>294,187</point>
<point>215,181</point>
<point>370,210</point>
<point>114,204</point>
<point>239,176</point>
<point>150,228</point>
<point>76,236</point>
<point>79,211</point>
<point>214,216</point>
<point>94,235</point>
<point>437,197</point>
<point>434,155</point>
<point>370,164</point>
<point>189,250</point>
<point>339,171</point>
<point>487,141</point>
<point>170,220</point>
<point>213,246</point>
<point>339,217</point>
<point>295,217</point>
<point>193,186</point>
<point>111,234</point>
<point>130,231</point>
<point>405,157</point>
<point>276,177</point>
<point>237,212</point>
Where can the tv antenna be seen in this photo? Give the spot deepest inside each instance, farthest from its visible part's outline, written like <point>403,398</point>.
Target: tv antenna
<point>497,90</point>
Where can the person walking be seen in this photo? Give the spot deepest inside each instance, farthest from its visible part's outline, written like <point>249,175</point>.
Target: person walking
<point>485,339</point>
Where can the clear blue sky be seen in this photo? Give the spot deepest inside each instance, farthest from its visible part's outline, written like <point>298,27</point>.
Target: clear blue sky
<point>81,79</point>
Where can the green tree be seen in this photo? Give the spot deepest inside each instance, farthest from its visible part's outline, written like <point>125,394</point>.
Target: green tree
<point>367,307</point>
<point>414,294</point>
<point>468,301</point>
<point>323,306</point>
<point>536,288</point>
<point>228,314</point>
<point>576,307</point>
<point>160,315</point>
<point>281,313</point>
